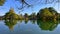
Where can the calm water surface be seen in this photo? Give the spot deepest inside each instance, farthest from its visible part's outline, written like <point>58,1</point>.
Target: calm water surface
<point>29,27</point>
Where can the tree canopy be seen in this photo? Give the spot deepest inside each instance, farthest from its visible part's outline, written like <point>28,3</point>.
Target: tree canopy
<point>48,13</point>
<point>11,14</point>
<point>2,2</point>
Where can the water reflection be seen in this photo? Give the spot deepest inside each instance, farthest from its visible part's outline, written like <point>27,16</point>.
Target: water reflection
<point>26,21</point>
<point>10,24</point>
<point>44,25</point>
<point>47,25</point>
<point>33,21</point>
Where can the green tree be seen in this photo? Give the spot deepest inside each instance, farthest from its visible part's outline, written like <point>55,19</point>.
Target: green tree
<point>54,13</point>
<point>47,13</point>
<point>32,16</point>
<point>44,13</point>
<point>20,17</point>
<point>11,14</point>
<point>2,2</point>
<point>26,16</point>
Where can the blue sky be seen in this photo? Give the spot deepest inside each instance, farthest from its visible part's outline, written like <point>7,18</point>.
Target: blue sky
<point>12,3</point>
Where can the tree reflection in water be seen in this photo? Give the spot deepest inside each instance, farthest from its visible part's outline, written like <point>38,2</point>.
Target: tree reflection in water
<point>26,21</point>
<point>44,25</point>
<point>33,21</point>
<point>47,25</point>
<point>10,24</point>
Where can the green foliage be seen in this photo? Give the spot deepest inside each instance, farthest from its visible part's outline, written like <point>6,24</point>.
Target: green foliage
<point>26,17</point>
<point>2,2</point>
<point>11,15</point>
<point>32,16</point>
<point>47,25</point>
<point>10,23</point>
<point>47,13</point>
<point>20,17</point>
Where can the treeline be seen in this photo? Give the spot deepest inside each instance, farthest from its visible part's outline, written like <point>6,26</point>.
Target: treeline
<point>43,14</point>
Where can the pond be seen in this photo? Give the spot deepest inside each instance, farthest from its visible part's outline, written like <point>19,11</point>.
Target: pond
<point>29,27</point>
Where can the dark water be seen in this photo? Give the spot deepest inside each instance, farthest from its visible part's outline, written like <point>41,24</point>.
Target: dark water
<point>29,27</point>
